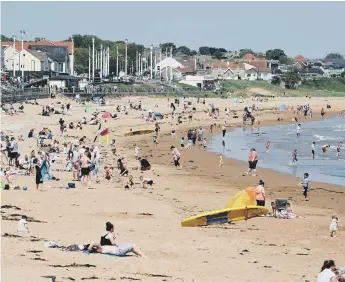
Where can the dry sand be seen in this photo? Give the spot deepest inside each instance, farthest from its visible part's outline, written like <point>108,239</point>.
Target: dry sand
<point>263,249</point>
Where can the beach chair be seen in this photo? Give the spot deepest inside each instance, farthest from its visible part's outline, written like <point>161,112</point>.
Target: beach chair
<point>281,206</point>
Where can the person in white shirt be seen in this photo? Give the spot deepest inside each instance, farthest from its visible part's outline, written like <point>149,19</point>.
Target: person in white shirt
<point>23,224</point>
<point>327,272</point>
<point>298,130</point>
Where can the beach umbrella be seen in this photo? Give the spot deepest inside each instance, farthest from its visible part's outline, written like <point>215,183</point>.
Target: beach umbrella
<point>283,107</point>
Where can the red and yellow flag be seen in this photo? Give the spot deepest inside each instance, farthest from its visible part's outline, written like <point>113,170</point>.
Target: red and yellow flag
<point>104,136</point>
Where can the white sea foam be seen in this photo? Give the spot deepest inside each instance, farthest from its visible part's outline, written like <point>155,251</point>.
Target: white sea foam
<point>325,138</point>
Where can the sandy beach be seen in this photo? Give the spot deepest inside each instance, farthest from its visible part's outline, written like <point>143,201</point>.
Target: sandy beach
<point>261,249</point>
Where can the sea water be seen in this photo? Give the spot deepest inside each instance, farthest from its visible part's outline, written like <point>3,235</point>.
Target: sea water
<point>328,167</point>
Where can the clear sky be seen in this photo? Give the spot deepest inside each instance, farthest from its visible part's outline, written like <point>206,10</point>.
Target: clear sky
<point>311,29</point>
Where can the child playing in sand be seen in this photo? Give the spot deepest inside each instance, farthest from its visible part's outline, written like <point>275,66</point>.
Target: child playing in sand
<point>155,142</point>
<point>274,208</point>
<point>137,152</point>
<point>108,173</point>
<point>182,143</point>
<point>147,182</point>
<point>23,224</point>
<point>204,143</point>
<point>173,132</point>
<point>220,160</point>
<point>129,183</point>
<point>334,225</point>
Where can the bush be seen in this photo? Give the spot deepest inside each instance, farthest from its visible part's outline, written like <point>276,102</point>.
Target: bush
<point>276,80</point>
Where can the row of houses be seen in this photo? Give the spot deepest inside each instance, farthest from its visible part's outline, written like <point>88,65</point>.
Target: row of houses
<point>191,70</point>
<point>41,56</point>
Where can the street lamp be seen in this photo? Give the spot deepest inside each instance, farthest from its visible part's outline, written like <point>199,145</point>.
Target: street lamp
<point>151,50</point>
<point>126,42</point>
<point>14,55</point>
<point>22,32</point>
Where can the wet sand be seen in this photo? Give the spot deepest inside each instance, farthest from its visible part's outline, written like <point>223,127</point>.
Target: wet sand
<point>278,250</point>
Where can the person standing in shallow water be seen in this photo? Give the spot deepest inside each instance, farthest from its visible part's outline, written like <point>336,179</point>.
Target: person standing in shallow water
<point>252,161</point>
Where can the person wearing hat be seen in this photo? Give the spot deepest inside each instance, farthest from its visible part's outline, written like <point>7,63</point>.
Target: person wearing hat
<point>260,194</point>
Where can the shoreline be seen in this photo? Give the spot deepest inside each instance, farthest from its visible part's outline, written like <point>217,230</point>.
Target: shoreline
<point>242,166</point>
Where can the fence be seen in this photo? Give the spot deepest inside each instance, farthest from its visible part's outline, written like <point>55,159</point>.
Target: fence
<point>18,95</point>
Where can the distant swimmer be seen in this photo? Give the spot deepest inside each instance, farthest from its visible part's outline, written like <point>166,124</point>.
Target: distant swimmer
<point>340,145</point>
<point>298,130</point>
<point>313,149</point>
<point>268,145</point>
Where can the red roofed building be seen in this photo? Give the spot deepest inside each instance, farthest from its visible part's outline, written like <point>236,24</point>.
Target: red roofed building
<point>249,56</point>
<point>8,55</point>
<point>300,58</point>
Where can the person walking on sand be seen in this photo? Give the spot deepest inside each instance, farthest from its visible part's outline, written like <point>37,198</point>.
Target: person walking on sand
<point>176,156</point>
<point>313,150</point>
<point>84,168</point>
<point>334,225</point>
<point>252,161</point>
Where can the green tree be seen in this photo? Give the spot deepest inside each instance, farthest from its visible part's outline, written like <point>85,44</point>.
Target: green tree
<point>284,60</point>
<point>245,51</point>
<point>291,79</point>
<point>276,80</point>
<point>5,38</point>
<point>168,46</point>
<point>184,50</point>
<point>193,53</point>
<point>342,74</point>
<point>204,50</point>
<point>334,56</point>
<point>218,54</point>
<point>274,54</point>
<point>37,39</point>
<point>222,50</point>
<point>81,64</point>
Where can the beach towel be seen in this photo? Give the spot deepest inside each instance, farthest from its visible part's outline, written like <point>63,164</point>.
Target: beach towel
<point>44,169</point>
<point>88,253</point>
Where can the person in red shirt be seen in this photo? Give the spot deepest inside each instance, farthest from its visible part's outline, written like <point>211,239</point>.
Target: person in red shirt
<point>252,161</point>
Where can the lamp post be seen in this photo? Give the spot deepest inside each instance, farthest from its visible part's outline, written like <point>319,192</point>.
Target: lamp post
<point>89,64</point>
<point>160,60</point>
<point>117,61</point>
<point>151,68</point>
<point>101,63</point>
<point>22,32</point>
<point>14,54</point>
<point>139,64</point>
<point>126,42</point>
<point>93,60</point>
<point>155,62</point>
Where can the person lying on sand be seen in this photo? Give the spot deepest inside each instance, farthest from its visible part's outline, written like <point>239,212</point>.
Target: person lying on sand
<point>108,244</point>
<point>146,182</point>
